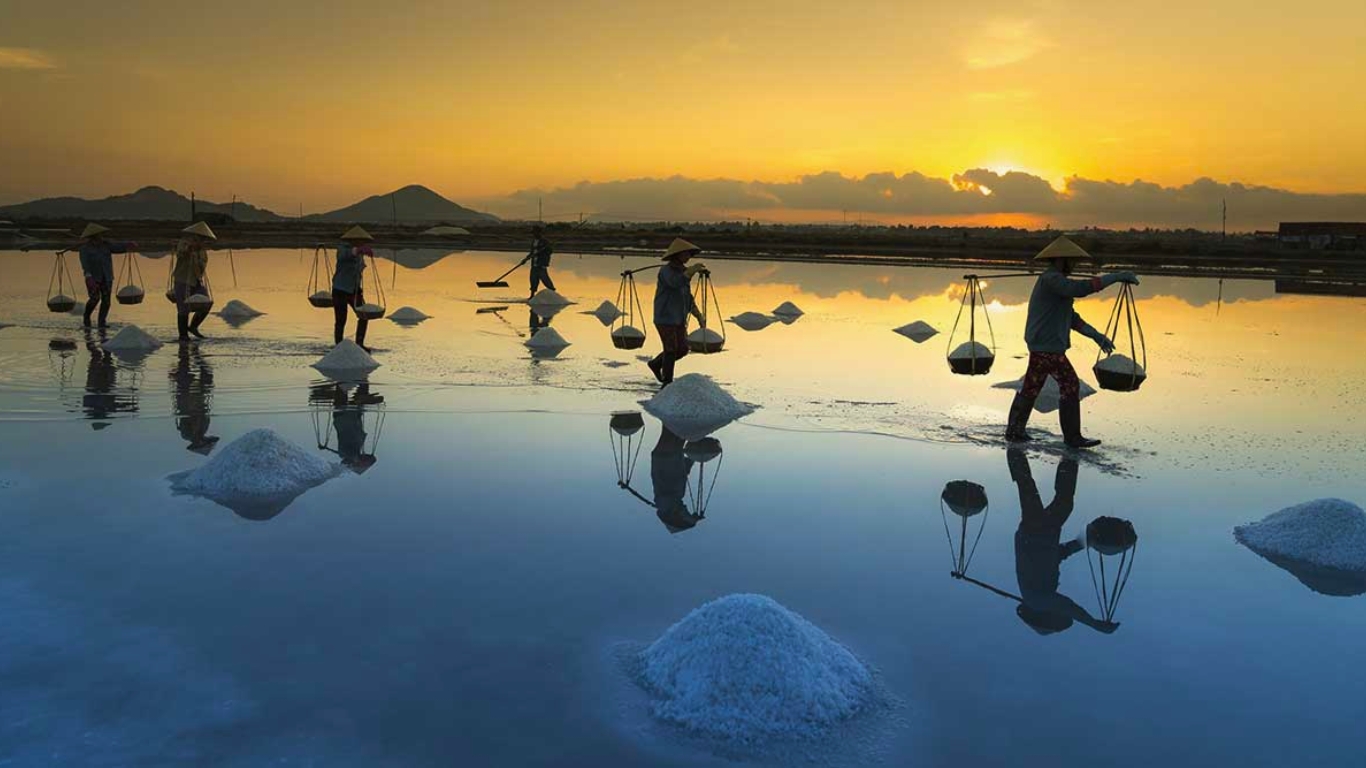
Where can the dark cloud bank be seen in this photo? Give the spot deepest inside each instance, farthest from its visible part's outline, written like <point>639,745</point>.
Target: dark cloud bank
<point>1081,202</point>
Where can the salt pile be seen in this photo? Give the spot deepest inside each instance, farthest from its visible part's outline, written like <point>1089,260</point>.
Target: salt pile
<point>1327,533</point>
<point>705,340</point>
<point>238,309</point>
<point>745,669</point>
<point>919,331</point>
<point>970,350</point>
<point>258,472</point>
<point>607,312</point>
<point>694,406</point>
<point>547,339</point>
<point>132,339</point>
<point>408,315</point>
<point>788,309</point>
<point>1122,365</point>
<point>548,298</point>
<point>752,321</point>
<point>346,356</point>
<point>1049,395</point>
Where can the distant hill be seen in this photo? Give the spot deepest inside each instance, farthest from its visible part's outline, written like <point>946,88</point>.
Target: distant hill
<point>412,204</point>
<point>148,203</point>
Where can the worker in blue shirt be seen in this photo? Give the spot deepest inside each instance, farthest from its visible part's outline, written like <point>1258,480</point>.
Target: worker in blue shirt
<point>348,285</point>
<point>673,304</point>
<point>97,263</point>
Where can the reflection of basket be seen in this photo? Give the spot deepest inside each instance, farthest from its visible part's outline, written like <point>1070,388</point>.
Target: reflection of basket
<point>1111,535</point>
<point>321,299</point>
<point>972,357</point>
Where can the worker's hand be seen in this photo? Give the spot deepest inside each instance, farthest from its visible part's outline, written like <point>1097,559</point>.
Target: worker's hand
<point>1104,343</point>
<point>132,246</point>
<point>1121,277</point>
<point>693,269</point>
<point>1108,627</point>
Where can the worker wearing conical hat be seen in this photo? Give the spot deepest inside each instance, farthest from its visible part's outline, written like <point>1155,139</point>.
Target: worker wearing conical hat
<point>188,275</point>
<point>97,264</point>
<point>539,256</point>
<point>348,288</point>
<point>673,304</point>
<point>1048,334</point>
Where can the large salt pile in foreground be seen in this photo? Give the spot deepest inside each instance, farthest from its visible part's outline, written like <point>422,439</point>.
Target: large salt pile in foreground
<point>694,406</point>
<point>132,339</point>
<point>752,321</point>
<point>1050,395</point>
<point>408,315</point>
<point>548,298</point>
<point>1327,533</point>
<point>919,331</point>
<point>258,472</point>
<point>745,669</point>
<point>346,356</point>
<point>238,309</point>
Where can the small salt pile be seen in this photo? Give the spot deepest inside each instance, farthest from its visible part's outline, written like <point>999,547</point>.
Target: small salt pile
<point>547,339</point>
<point>1327,533</point>
<point>548,298</point>
<point>694,406</point>
<point>744,669</point>
<point>346,356</point>
<point>788,309</point>
<point>607,312</point>
<point>238,309</point>
<point>919,331</point>
<point>132,339</point>
<point>752,321</point>
<point>408,315</point>
<point>258,471</point>
<point>705,340</point>
<point>1049,395</point>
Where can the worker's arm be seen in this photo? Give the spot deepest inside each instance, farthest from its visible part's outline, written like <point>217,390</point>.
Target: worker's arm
<point>1085,329</point>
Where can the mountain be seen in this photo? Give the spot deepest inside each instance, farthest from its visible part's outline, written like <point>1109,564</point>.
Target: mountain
<point>412,204</point>
<point>148,203</point>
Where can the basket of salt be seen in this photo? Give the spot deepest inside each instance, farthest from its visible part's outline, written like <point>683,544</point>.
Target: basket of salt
<point>57,300</point>
<point>370,311</point>
<point>1116,371</point>
<point>972,357</point>
<point>707,340</point>
<point>374,309</point>
<point>625,314</point>
<point>199,302</point>
<point>628,337</point>
<point>320,281</point>
<point>61,303</point>
<point>131,292</point>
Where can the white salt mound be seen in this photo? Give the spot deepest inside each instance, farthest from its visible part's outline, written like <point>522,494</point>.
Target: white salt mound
<point>1049,395</point>
<point>969,350</point>
<point>919,331</point>
<point>705,336</point>
<point>788,309</point>
<point>129,291</point>
<point>696,398</point>
<point>258,465</point>
<point>752,321</point>
<point>1328,533</point>
<point>237,308</point>
<point>132,338</point>
<point>628,332</point>
<point>548,298</point>
<point>607,311</point>
<point>1121,364</point>
<point>408,315</point>
<point>347,356</point>
<point>547,338</point>
<point>744,669</point>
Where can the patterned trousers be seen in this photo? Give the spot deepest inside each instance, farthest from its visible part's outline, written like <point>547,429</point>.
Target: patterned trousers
<point>1055,364</point>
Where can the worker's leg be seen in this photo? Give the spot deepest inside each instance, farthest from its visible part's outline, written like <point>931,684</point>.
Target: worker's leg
<point>1069,405</point>
<point>362,324</point>
<point>535,280</point>
<point>545,278</point>
<point>181,292</point>
<point>92,289</point>
<point>340,301</point>
<point>106,296</point>
<point>198,319</point>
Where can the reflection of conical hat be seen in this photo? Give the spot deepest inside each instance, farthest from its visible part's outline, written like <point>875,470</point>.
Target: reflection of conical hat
<point>93,229</point>
<point>201,229</point>
<point>356,233</point>
<point>680,246</point>
<point>1062,248</point>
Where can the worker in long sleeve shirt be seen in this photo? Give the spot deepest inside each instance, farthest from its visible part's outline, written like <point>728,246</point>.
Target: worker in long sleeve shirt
<point>673,304</point>
<point>1048,334</point>
<point>348,287</point>
<point>191,265</point>
<point>97,264</point>
<point>539,256</point>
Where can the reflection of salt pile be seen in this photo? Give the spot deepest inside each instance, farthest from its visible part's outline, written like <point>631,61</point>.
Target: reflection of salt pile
<point>788,309</point>
<point>745,669</point>
<point>547,339</point>
<point>548,298</point>
<point>238,309</point>
<point>1327,533</point>
<point>752,321</point>
<point>346,356</point>
<point>705,340</point>
<point>919,331</point>
<point>1050,395</point>
<point>256,475</point>
<point>132,339</point>
<point>694,406</point>
<point>607,312</point>
<point>408,315</point>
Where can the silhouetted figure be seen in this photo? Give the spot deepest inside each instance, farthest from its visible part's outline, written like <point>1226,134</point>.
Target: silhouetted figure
<point>539,256</point>
<point>192,392</point>
<point>101,399</point>
<point>191,266</point>
<point>348,284</point>
<point>669,470</point>
<point>673,304</point>
<point>97,265</point>
<point>536,323</point>
<point>1039,550</point>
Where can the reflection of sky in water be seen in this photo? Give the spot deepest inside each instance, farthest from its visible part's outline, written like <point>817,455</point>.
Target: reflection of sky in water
<point>461,581</point>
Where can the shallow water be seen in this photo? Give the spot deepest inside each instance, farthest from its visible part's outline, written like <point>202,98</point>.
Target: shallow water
<point>455,602</point>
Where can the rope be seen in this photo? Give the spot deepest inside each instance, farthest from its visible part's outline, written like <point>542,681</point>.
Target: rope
<point>1126,310</point>
<point>971,298</point>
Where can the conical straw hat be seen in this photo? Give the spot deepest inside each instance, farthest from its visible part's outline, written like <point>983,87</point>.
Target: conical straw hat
<point>681,246</point>
<point>201,229</point>
<point>93,229</point>
<point>1062,248</point>
<point>356,233</point>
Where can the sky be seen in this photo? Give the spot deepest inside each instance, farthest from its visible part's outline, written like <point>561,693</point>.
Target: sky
<point>795,110</point>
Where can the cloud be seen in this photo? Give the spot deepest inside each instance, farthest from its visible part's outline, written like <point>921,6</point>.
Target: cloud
<point>25,59</point>
<point>1013,96</point>
<point>1002,42</point>
<point>973,192</point>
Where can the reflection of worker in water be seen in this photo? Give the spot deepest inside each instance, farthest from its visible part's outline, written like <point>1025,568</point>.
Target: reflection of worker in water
<point>101,380</point>
<point>536,323</point>
<point>348,421</point>
<point>1039,550</point>
<point>192,390</point>
<point>539,256</point>
<point>669,470</point>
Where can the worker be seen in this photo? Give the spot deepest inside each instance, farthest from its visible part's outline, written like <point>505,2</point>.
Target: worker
<point>191,265</point>
<point>348,288</point>
<point>539,256</point>
<point>1048,330</point>
<point>97,264</point>
<point>673,304</point>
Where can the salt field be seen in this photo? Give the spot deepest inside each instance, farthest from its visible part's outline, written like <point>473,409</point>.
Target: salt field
<point>438,550</point>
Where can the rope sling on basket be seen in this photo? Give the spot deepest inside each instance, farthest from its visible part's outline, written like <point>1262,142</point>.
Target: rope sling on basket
<point>320,280</point>
<point>130,278</point>
<point>972,357</point>
<point>58,300</point>
<point>628,329</point>
<point>706,340</point>
<point>374,308</point>
<point>1110,537</point>
<point>1116,371</point>
<point>200,300</point>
